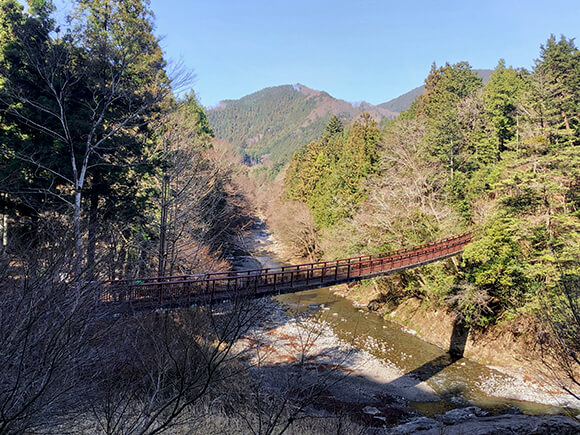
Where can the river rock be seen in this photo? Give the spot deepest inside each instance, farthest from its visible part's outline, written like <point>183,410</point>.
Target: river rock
<point>418,425</point>
<point>518,424</point>
<point>462,414</point>
<point>493,425</point>
<point>513,411</point>
<point>371,410</point>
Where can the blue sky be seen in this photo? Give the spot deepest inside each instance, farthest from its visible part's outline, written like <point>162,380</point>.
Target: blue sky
<point>355,50</point>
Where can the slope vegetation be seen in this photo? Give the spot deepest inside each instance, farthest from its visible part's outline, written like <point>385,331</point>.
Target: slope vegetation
<point>499,159</point>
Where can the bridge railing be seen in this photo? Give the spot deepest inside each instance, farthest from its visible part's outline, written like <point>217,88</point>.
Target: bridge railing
<point>345,261</point>
<point>196,288</point>
<point>365,265</point>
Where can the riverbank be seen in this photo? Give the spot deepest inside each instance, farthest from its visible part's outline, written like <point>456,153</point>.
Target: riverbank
<point>298,355</point>
<point>514,350</point>
<point>390,348</point>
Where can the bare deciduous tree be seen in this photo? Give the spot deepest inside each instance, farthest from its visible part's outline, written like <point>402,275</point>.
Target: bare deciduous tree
<point>159,365</point>
<point>562,318</point>
<point>69,362</point>
<point>47,327</point>
<point>294,224</point>
<point>193,201</point>
<point>410,188</point>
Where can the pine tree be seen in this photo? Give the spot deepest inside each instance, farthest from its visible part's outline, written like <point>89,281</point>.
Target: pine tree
<point>500,96</point>
<point>333,127</point>
<point>559,64</point>
<point>445,87</point>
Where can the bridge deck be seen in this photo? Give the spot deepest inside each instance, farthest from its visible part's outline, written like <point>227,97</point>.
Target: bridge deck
<point>186,290</point>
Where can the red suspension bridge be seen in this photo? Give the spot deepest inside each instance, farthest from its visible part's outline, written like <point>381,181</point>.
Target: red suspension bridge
<point>186,290</point>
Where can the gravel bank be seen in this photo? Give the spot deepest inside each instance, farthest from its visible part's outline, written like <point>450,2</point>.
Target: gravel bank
<point>289,354</point>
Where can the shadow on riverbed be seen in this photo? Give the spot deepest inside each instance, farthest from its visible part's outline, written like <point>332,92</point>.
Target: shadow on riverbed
<point>435,360</point>
<point>436,365</point>
<point>355,376</point>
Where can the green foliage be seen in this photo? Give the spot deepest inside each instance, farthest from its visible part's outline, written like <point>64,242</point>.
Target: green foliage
<point>333,128</point>
<point>501,159</point>
<point>328,175</point>
<point>559,65</point>
<point>500,96</point>
<point>196,116</point>
<point>445,87</point>
<point>493,260</point>
<point>78,136</point>
<point>279,111</point>
<point>269,126</point>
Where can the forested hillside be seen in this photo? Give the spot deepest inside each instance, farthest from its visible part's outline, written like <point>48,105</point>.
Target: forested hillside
<point>267,127</point>
<point>403,102</point>
<point>500,159</point>
<point>117,205</point>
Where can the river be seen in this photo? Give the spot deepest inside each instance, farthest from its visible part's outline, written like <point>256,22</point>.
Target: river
<point>457,382</point>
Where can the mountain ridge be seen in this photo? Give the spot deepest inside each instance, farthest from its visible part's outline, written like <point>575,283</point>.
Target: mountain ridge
<point>269,125</point>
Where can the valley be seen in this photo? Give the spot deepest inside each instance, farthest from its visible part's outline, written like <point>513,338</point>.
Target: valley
<point>428,246</point>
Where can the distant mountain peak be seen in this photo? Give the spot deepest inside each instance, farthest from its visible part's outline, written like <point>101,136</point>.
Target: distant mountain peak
<point>276,121</point>
<point>305,90</point>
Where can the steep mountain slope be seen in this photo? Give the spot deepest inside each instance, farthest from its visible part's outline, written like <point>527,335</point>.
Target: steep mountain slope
<point>268,126</point>
<point>403,102</point>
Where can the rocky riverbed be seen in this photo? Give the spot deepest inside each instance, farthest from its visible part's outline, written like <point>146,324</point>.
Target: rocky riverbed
<point>301,355</point>
<point>345,360</point>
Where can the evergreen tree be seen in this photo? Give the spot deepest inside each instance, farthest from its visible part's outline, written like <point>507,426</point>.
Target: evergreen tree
<point>559,64</point>
<point>445,87</point>
<point>83,97</point>
<point>328,175</point>
<point>333,127</point>
<point>501,95</point>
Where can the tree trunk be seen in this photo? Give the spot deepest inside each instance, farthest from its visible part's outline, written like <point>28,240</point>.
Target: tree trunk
<point>565,118</point>
<point>78,235</point>
<point>93,220</point>
<point>517,133</point>
<point>3,232</point>
<point>163,223</point>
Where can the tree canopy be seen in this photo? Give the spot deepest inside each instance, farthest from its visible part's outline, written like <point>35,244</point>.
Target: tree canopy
<point>500,160</point>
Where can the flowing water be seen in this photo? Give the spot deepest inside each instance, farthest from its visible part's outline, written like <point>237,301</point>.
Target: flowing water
<point>459,382</point>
